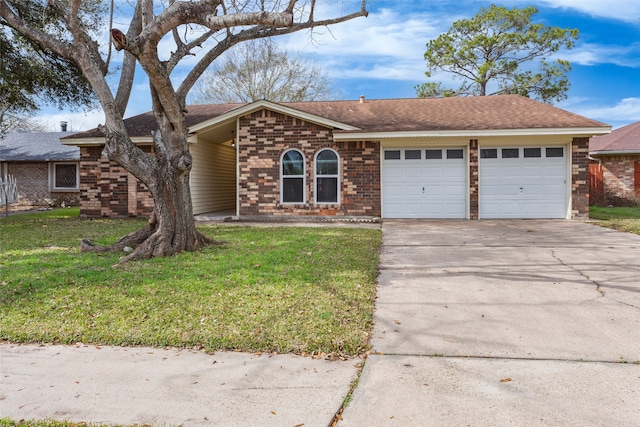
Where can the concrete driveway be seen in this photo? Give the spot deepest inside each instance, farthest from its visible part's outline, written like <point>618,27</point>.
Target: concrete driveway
<point>495,323</point>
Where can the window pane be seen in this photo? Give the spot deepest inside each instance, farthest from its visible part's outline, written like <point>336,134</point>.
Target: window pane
<point>555,152</point>
<point>327,190</point>
<point>292,190</point>
<point>455,154</point>
<point>434,154</point>
<point>510,153</point>
<point>392,154</point>
<point>327,163</point>
<point>292,163</point>
<point>66,176</point>
<point>489,153</point>
<point>413,154</point>
<point>533,152</point>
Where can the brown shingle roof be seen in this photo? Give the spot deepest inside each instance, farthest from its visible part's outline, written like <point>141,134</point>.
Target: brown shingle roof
<point>411,114</point>
<point>626,138</point>
<point>434,114</point>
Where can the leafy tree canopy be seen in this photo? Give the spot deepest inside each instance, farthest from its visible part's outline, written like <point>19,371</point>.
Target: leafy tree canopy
<point>31,75</point>
<point>492,53</point>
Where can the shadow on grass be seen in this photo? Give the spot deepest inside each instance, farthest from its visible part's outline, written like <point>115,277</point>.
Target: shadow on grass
<point>268,289</point>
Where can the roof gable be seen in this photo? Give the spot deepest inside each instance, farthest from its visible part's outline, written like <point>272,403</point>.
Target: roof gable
<point>288,109</point>
<point>624,139</point>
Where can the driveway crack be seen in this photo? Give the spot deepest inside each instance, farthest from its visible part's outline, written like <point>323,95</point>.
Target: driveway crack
<point>598,287</point>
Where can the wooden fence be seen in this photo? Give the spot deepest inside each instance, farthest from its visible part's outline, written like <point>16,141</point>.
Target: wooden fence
<point>8,192</point>
<point>596,184</point>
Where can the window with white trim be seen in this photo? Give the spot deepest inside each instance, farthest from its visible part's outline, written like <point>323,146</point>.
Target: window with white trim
<point>327,177</point>
<point>292,177</point>
<point>65,176</point>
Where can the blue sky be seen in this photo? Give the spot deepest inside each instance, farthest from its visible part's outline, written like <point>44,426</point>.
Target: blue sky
<point>382,56</point>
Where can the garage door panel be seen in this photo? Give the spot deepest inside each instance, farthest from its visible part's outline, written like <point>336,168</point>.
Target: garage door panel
<point>523,187</point>
<point>454,208</point>
<point>431,188</point>
<point>411,190</point>
<point>432,191</point>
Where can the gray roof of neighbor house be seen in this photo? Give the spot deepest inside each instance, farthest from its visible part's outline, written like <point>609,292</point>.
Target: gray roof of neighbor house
<point>623,140</point>
<point>401,115</point>
<point>36,146</point>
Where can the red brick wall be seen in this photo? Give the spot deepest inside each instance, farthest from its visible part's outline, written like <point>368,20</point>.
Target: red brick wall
<point>618,175</point>
<point>265,135</point>
<point>107,190</point>
<point>473,179</point>
<point>580,178</point>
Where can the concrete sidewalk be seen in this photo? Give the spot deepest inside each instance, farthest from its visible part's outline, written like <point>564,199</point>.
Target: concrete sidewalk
<point>494,323</point>
<point>119,385</point>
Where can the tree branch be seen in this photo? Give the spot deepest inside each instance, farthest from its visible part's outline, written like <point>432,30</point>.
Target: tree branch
<point>129,63</point>
<point>40,37</point>
<point>258,31</point>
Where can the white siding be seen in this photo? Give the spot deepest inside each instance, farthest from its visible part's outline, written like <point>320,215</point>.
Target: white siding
<point>213,177</point>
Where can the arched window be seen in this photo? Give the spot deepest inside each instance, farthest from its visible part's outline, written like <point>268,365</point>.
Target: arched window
<point>327,177</point>
<point>292,181</point>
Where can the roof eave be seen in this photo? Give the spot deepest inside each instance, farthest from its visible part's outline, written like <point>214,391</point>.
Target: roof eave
<point>576,132</point>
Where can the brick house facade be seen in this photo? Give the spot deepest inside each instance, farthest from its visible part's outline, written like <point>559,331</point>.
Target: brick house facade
<point>616,159</point>
<point>621,175</point>
<point>270,160</point>
<point>580,178</point>
<point>46,171</point>
<point>108,190</point>
<point>265,135</point>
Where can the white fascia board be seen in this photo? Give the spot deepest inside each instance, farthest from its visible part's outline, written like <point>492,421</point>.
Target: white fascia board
<point>138,140</point>
<point>614,152</point>
<point>259,105</point>
<point>577,132</point>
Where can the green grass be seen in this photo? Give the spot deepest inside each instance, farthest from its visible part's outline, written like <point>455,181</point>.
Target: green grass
<point>274,289</point>
<point>6,422</point>
<point>622,219</point>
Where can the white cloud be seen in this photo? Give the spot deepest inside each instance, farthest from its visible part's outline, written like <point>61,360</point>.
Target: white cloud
<point>625,111</point>
<point>385,33</point>
<point>623,10</point>
<point>595,54</point>
<point>77,121</point>
<point>386,45</point>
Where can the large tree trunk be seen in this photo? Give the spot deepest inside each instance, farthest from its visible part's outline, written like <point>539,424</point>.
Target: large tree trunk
<point>171,227</point>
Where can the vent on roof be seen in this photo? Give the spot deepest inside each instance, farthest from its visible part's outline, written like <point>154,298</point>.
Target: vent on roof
<point>361,99</point>
<point>63,126</point>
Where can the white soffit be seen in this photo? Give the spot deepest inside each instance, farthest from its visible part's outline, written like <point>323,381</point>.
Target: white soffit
<point>577,132</point>
<point>613,152</point>
<point>138,140</point>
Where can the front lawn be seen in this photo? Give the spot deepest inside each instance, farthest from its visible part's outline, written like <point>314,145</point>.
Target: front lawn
<point>275,289</point>
<point>623,219</point>
<point>7,422</point>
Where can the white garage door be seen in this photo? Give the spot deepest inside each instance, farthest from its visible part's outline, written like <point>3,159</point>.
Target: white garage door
<point>424,183</point>
<point>523,182</point>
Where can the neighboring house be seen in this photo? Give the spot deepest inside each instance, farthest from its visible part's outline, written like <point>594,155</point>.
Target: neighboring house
<point>46,172</point>
<point>477,157</point>
<point>618,164</point>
